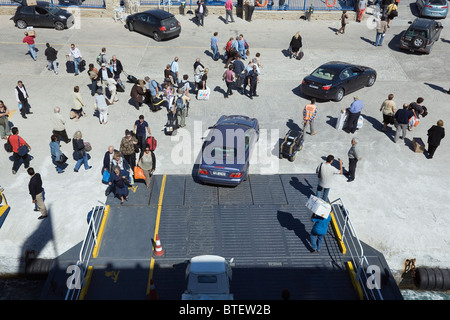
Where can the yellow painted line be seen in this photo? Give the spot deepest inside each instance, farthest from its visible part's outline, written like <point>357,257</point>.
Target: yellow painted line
<point>100,232</point>
<point>338,233</point>
<point>10,114</point>
<point>355,282</point>
<point>87,282</point>
<point>158,218</point>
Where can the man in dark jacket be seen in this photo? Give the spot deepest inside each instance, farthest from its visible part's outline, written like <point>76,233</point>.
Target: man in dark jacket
<point>36,192</point>
<point>51,53</point>
<point>116,66</point>
<point>200,12</point>
<point>103,74</point>
<point>253,79</point>
<point>401,120</point>
<point>435,135</point>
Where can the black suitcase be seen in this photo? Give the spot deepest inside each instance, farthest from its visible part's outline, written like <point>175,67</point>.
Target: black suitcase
<point>131,78</point>
<point>292,142</point>
<point>70,66</point>
<point>171,125</point>
<point>120,86</point>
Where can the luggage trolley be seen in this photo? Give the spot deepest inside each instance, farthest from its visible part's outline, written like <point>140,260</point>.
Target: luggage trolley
<point>293,142</point>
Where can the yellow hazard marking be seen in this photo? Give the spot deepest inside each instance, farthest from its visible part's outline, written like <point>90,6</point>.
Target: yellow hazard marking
<point>355,282</point>
<point>158,218</point>
<point>113,275</point>
<point>100,233</point>
<point>87,282</point>
<point>338,234</point>
<point>10,114</point>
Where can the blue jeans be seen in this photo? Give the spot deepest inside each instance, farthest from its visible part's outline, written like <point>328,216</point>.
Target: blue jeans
<point>84,160</point>
<point>322,193</point>
<point>242,54</point>
<point>59,166</point>
<point>379,39</point>
<point>316,241</point>
<point>76,62</point>
<point>32,49</point>
<point>215,52</point>
<point>93,87</point>
<point>52,65</point>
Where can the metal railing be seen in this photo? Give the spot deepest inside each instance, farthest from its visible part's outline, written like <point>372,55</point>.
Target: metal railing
<point>90,241</point>
<point>356,250</point>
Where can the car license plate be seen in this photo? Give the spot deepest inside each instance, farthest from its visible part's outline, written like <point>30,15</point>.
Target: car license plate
<point>173,28</point>
<point>314,87</point>
<point>219,173</point>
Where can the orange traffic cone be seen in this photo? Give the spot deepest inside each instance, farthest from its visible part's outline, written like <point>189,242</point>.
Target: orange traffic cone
<point>153,295</point>
<point>158,249</point>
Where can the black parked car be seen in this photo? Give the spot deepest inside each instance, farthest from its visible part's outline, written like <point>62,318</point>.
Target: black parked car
<point>43,14</point>
<point>421,35</point>
<point>158,24</point>
<point>333,80</point>
<point>70,2</point>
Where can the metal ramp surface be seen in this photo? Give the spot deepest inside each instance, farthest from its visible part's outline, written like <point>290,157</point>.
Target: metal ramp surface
<point>262,223</point>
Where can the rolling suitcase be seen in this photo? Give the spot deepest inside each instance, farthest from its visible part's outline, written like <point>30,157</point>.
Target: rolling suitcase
<point>171,125</point>
<point>120,86</point>
<point>131,78</point>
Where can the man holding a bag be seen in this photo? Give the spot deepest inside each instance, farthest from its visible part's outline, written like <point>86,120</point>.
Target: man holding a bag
<point>20,150</point>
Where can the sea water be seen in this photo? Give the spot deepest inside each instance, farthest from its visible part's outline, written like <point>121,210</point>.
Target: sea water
<point>424,295</point>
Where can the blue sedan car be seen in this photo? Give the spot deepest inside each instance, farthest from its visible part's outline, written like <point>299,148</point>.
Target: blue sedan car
<point>227,149</point>
<point>432,8</point>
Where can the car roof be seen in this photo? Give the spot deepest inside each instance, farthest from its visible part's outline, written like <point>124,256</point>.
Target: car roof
<point>159,13</point>
<point>421,23</point>
<point>239,120</point>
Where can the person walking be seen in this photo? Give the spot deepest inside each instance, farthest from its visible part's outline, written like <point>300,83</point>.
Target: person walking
<point>29,40</point>
<point>353,115</point>
<point>381,31</point>
<point>229,11</point>
<point>80,153</point>
<point>253,80</point>
<point>59,128</point>
<point>76,54</point>
<point>238,68</point>
<point>295,45</point>
<point>141,128</point>
<point>326,174</point>
<point>353,158</point>
<point>102,107</point>
<point>56,153</point>
<point>362,4</point>
<point>37,192</point>
<point>318,231</point>
<point>435,134</point>
<point>127,148</point>
<point>103,75</point>
<point>215,46</point>
<point>51,54</point>
<point>180,106</point>
<point>391,12</point>
<point>112,88</point>
<point>78,103</point>
<point>344,22</point>
<point>108,159</point>
<point>229,77</point>
<point>250,5</point>
<point>401,121</point>
<point>388,108</point>
<point>200,12</point>
<point>22,99</point>
<point>118,182</point>
<point>147,163</point>
<point>20,150</point>
<point>174,69</point>
<point>5,129</point>
<point>241,47</point>
<point>309,114</point>
<point>116,66</point>
<point>93,75</point>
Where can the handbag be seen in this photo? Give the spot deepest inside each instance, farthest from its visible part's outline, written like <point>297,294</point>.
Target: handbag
<point>63,158</point>
<point>139,173</point>
<point>87,146</point>
<point>8,146</point>
<point>23,149</point>
<point>105,177</point>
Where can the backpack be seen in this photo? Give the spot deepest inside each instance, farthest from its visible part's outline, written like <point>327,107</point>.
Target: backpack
<point>246,46</point>
<point>99,59</point>
<point>151,141</point>
<point>179,103</point>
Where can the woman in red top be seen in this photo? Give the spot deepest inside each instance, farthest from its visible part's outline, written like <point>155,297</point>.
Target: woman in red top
<point>16,142</point>
<point>31,47</point>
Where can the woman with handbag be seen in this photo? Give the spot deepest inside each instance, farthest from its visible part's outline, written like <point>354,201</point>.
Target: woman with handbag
<point>148,164</point>
<point>58,158</point>
<point>295,45</point>
<point>79,152</point>
<point>78,103</point>
<point>118,182</point>
<point>5,130</point>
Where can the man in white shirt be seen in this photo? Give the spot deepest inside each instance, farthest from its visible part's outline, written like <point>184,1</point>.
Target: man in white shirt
<point>76,54</point>
<point>174,68</point>
<point>326,174</point>
<point>22,99</point>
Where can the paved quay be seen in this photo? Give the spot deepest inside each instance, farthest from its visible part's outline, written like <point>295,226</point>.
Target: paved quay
<point>397,203</point>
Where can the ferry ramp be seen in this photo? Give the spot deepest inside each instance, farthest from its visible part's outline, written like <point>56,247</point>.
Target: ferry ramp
<point>262,223</point>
